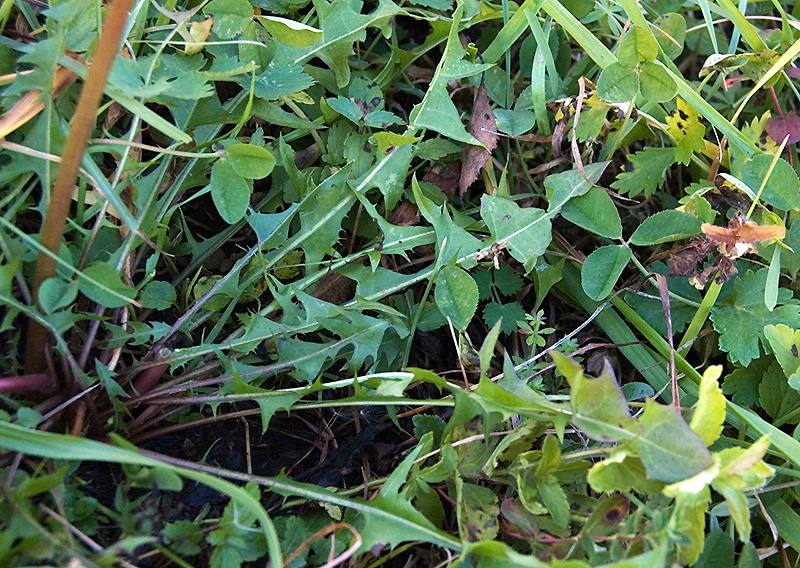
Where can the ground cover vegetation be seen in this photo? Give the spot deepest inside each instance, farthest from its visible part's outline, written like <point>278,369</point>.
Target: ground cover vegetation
<point>402,283</point>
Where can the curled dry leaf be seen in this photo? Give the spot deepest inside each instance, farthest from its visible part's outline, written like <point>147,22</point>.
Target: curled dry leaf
<point>482,126</point>
<point>732,242</point>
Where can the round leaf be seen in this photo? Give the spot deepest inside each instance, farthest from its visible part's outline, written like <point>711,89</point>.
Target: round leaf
<point>249,161</point>
<point>456,295</point>
<point>514,122</point>
<point>594,212</point>
<point>289,32</point>
<point>618,84</point>
<point>655,84</point>
<point>670,32</point>
<point>782,189</point>
<point>229,191</point>
<point>157,295</point>
<point>102,284</point>
<point>666,226</point>
<point>637,46</point>
<point>602,269</point>
<point>55,293</point>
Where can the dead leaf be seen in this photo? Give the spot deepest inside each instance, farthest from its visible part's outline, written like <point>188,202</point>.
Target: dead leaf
<point>742,231</point>
<point>483,126</point>
<point>334,288</point>
<point>405,214</point>
<point>447,179</point>
<point>31,102</point>
<point>683,262</point>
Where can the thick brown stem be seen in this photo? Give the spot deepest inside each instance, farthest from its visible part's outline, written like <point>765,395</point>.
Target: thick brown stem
<point>61,196</point>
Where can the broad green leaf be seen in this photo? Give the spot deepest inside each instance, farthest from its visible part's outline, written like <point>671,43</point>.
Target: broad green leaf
<point>157,295</point>
<point>554,498</point>
<point>289,32</point>
<point>666,226</point>
<point>231,17</point>
<point>595,211</point>
<point>229,191</point>
<point>510,313</point>
<point>279,80</point>
<point>437,111</point>
<point>709,415</point>
<point>741,319</point>
<point>670,450</point>
<point>526,231</point>
<point>618,84</point>
<point>54,294</point>
<point>602,269</point>
<point>102,284</point>
<point>636,47</point>
<point>655,84</point>
<point>271,228</point>
<point>342,26</point>
<point>598,406</point>
<point>784,343</point>
<point>670,32</point>
<point>717,551</point>
<point>775,395</point>
<point>569,184</point>
<point>514,122</point>
<point>456,295</point>
<point>388,140</point>
<point>782,189</point>
<point>250,161</point>
<point>621,472</point>
<point>459,242</point>
<point>346,107</point>
<point>649,171</point>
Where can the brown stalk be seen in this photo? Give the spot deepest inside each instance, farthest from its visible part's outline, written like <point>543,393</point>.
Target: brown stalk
<point>61,196</point>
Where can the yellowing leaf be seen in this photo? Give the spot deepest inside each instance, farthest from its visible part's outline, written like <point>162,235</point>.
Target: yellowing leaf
<point>710,412</point>
<point>687,130</point>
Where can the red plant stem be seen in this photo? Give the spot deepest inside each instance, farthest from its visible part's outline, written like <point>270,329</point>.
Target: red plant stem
<point>37,382</point>
<point>61,196</point>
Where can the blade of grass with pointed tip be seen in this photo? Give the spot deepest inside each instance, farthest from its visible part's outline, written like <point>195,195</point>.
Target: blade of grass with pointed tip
<point>510,32</point>
<point>595,49</point>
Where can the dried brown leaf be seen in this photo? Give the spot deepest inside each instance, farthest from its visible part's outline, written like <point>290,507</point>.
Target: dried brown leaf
<point>483,126</point>
<point>406,213</point>
<point>446,180</point>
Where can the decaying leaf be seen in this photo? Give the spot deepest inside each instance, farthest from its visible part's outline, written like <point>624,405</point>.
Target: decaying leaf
<point>405,214</point>
<point>32,103</point>
<point>741,231</point>
<point>732,242</point>
<point>684,260</point>
<point>445,177</point>
<point>482,126</point>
